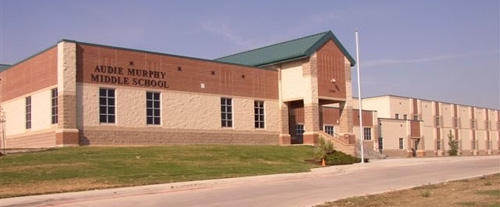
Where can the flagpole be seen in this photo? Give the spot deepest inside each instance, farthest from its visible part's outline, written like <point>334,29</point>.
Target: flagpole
<point>361,134</point>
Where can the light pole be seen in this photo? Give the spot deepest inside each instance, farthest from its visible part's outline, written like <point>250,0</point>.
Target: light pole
<point>359,101</point>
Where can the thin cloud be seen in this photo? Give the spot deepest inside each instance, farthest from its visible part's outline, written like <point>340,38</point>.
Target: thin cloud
<point>382,62</point>
<point>323,17</point>
<point>224,30</point>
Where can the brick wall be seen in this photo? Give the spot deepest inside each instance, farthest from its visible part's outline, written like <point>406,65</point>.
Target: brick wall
<point>181,73</point>
<point>31,75</point>
<point>330,64</point>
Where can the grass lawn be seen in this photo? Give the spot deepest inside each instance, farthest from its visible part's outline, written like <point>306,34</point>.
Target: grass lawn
<point>84,168</point>
<point>479,192</point>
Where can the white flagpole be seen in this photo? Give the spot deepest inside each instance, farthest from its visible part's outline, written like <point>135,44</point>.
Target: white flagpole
<point>361,134</point>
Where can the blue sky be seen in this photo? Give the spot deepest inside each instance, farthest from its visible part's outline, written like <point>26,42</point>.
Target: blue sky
<point>445,50</point>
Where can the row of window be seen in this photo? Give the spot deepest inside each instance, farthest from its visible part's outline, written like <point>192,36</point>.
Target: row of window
<point>54,109</point>
<point>107,109</point>
<point>438,144</point>
<point>437,122</point>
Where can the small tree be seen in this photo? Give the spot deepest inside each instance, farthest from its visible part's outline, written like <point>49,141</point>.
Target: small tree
<point>324,148</point>
<point>453,143</point>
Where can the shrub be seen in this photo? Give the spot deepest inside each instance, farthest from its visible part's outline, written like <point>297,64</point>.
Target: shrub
<point>453,143</point>
<point>323,149</point>
<point>425,193</point>
<point>340,158</point>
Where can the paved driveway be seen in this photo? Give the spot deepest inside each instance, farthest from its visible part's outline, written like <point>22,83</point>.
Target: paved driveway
<point>287,190</point>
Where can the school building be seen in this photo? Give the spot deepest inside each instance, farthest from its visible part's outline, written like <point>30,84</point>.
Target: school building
<point>76,94</point>
<point>406,123</point>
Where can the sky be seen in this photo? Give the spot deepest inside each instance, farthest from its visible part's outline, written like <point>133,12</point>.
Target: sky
<point>445,50</point>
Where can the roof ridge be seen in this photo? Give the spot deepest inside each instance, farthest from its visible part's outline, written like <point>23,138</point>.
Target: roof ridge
<point>273,45</point>
<point>427,99</point>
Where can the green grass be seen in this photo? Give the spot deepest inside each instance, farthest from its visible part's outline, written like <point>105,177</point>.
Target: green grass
<point>467,203</point>
<point>129,166</point>
<point>495,193</point>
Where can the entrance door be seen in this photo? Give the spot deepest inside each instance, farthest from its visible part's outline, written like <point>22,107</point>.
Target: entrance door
<point>299,132</point>
<point>296,122</point>
<point>417,141</point>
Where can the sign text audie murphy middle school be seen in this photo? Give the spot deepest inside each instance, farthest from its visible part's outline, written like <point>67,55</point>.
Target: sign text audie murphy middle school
<point>130,76</point>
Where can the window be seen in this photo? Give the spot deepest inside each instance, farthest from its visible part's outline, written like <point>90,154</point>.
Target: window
<point>455,122</point>
<point>405,117</point>
<point>153,105</point>
<point>329,130</point>
<point>368,133</point>
<point>401,143</point>
<point>259,114</point>
<point>226,106</point>
<point>438,144</point>
<point>473,124</point>
<point>415,117</point>
<point>396,116</point>
<point>55,109</point>
<point>487,125</point>
<point>28,112</point>
<point>437,121</point>
<point>107,105</point>
<point>299,129</point>
<point>380,144</point>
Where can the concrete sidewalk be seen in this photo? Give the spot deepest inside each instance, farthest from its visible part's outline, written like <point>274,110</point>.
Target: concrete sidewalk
<point>74,197</point>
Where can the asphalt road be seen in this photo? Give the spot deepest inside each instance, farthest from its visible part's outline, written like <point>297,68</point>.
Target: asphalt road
<point>287,190</point>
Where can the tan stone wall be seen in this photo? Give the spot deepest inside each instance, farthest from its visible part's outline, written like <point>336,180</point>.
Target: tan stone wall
<point>292,81</point>
<point>392,130</point>
<point>481,139</point>
<point>356,131</point>
<point>465,117</point>
<point>429,138</point>
<point>480,118</point>
<point>38,139</point>
<point>395,153</point>
<point>494,140</point>
<point>15,116</point>
<point>400,106</point>
<point>15,111</point>
<point>180,110</point>
<point>379,104</point>
<point>446,116</point>
<point>427,113</point>
<point>493,116</point>
<point>113,135</point>
<point>466,138</point>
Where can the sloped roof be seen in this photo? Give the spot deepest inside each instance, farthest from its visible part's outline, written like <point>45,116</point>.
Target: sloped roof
<point>285,51</point>
<point>3,67</point>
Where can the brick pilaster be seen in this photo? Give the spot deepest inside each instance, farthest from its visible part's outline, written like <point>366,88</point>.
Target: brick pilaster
<point>346,123</point>
<point>67,132</point>
<point>284,137</point>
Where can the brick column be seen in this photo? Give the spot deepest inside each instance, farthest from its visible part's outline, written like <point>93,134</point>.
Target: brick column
<point>346,124</point>
<point>311,123</point>
<point>284,137</point>
<point>311,101</point>
<point>67,131</point>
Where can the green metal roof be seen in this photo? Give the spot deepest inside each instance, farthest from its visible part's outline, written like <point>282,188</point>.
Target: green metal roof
<point>285,51</point>
<point>3,67</point>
